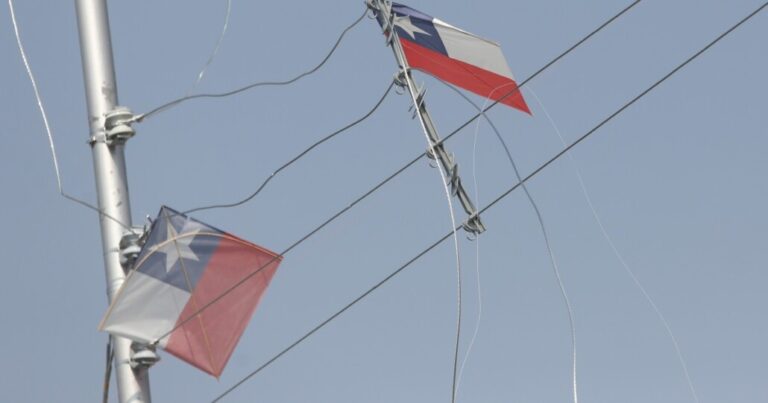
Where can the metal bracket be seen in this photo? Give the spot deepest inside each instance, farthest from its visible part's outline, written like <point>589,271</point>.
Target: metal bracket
<point>117,127</point>
<point>142,356</point>
<point>400,79</point>
<point>473,226</point>
<point>130,246</point>
<point>416,108</point>
<point>388,24</point>
<point>454,179</point>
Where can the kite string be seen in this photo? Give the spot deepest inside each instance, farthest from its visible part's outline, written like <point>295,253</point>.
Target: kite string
<point>477,258</point>
<point>215,48</point>
<point>616,252</point>
<point>542,226</point>
<point>48,130</point>
<point>37,94</point>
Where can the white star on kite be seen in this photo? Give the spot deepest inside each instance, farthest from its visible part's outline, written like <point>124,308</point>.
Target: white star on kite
<point>178,248</point>
<point>405,23</point>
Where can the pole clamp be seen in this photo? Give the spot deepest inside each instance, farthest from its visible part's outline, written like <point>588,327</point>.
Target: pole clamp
<point>142,356</point>
<point>117,127</point>
<point>130,246</point>
<point>473,226</point>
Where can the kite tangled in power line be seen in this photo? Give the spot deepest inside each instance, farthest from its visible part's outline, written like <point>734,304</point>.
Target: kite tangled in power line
<point>192,291</point>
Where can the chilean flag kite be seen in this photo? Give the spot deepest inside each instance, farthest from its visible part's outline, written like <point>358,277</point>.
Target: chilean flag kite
<point>456,56</point>
<point>185,266</point>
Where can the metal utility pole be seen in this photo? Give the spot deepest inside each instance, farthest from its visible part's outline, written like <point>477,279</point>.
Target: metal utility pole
<point>109,132</point>
<point>383,11</point>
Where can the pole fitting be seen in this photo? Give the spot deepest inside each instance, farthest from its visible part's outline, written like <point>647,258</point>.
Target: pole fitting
<point>117,125</point>
<point>400,79</point>
<point>142,356</point>
<point>130,246</point>
<point>473,226</point>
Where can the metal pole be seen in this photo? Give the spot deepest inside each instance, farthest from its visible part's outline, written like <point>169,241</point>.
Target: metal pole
<point>437,150</point>
<point>110,173</point>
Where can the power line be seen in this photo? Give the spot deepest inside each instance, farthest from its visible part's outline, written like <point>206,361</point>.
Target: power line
<point>108,371</point>
<point>299,156</point>
<point>444,180</point>
<point>377,186</point>
<point>493,203</point>
<point>175,102</point>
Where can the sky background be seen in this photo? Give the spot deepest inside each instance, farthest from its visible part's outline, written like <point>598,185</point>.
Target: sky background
<point>678,180</point>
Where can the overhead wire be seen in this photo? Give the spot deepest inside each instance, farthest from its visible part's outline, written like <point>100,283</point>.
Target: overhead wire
<point>547,242</point>
<point>108,371</point>
<point>619,255</point>
<point>383,182</point>
<point>298,156</point>
<point>457,344</point>
<point>175,102</point>
<point>48,130</point>
<point>446,187</point>
<point>495,201</point>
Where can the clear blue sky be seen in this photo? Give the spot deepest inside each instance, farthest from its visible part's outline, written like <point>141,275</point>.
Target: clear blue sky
<point>678,180</point>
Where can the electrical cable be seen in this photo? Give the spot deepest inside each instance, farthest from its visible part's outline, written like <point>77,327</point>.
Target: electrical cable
<point>542,226</point>
<point>618,254</point>
<point>446,187</point>
<point>490,205</point>
<point>377,186</point>
<point>445,182</point>
<point>175,102</point>
<point>454,385</point>
<point>48,127</point>
<point>298,156</point>
<point>108,371</point>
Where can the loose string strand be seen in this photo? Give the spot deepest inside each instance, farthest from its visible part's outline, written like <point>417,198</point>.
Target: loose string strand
<point>618,254</point>
<point>48,130</point>
<point>215,48</point>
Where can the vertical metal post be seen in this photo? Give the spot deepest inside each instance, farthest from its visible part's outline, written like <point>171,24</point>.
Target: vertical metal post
<point>110,173</point>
